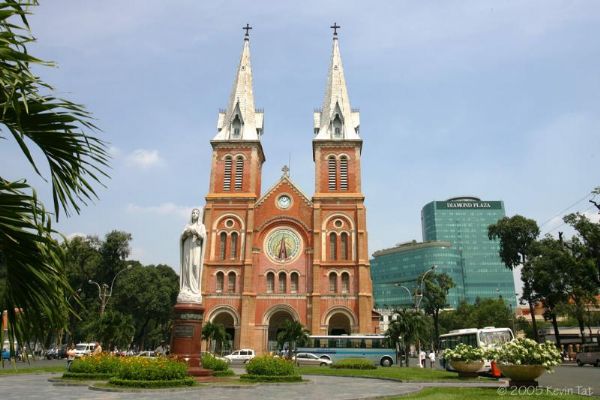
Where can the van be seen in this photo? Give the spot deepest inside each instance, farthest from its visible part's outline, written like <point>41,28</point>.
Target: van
<point>84,349</point>
<point>589,354</point>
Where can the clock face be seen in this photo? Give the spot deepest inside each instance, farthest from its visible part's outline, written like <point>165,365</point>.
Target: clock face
<point>283,245</point>
<point>284,201</point>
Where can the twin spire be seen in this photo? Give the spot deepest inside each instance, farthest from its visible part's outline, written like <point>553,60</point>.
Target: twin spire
<point>335,121</point>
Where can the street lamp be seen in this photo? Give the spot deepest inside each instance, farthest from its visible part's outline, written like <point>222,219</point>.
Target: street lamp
<point>419,295</point>
<point>105,291</point>
<point>410,295</point>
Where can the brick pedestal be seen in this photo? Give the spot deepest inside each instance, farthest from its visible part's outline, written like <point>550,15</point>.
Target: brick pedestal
<point>186,337</point>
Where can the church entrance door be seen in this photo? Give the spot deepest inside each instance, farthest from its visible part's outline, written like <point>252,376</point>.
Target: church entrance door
<point>339,324</point>
<point>225,319</point>
<point>275,326</point>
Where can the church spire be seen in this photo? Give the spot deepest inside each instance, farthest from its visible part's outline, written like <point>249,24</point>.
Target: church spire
<point>336,120</point>
<point>240,121</point>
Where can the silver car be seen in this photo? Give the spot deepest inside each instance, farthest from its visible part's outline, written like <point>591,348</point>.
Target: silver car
<point>310,359</point>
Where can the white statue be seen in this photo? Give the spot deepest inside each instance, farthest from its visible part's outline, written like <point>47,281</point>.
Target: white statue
<point>192,253</point>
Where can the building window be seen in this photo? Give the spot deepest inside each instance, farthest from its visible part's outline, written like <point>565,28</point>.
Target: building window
<point>270,282</point>
<point>227,175</point>
<point>236,126</point>
<point>222,245</point>
<point>332,246</point>
<point>239,172</point>
<point>337,126</point>
<point>282,282</point>
<point>345,282</point>
<point>294,282</point>
<point>332,167</point>
<point>234,245</point>
<point>343,173</point>
<point>231,282</point>
<point>344,246</point>
<point>220,279</point>
<point>332,282</point>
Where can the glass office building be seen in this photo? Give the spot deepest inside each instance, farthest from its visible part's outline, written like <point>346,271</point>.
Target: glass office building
<point>464,221</point>
<point>395,272</point>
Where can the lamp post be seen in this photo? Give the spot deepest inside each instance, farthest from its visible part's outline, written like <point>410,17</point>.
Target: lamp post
<point>105,291</point>
<point>410,295</point>
<point>419,295</point>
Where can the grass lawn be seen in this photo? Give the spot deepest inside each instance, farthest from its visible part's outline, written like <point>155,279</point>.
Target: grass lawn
<point>401,374</point>
<point>486,393</point>
<point>31,370</point>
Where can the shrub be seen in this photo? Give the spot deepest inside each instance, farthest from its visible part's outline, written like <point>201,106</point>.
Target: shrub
<point>103,363</point>
<point>354,363</point>
<point>221,374</point>
<point>211,362</point>
<point>151,369</point>
<point>464,352</point>
<point>270,366</point>
<point>152,384</point>
<point>270,378</point>
<point>86,376</point>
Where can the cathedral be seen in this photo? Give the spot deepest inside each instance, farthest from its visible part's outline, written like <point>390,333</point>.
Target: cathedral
<point>281,255</point>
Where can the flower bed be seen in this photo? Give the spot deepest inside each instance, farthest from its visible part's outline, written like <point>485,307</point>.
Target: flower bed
<point>354,363</point>
<point>151,369</point>
<point>100,367</point>
<point>527,352</point>
<point>464,352</point>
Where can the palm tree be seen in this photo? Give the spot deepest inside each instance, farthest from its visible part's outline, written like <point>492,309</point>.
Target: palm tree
<point>57,129</point>
<point>411,325</point>
<point>207,334</point>
<point>291,333</point>
<point>214,332</point>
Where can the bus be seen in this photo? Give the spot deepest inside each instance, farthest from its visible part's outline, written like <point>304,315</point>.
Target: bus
<point>486,337</point>
<point>338,347</point>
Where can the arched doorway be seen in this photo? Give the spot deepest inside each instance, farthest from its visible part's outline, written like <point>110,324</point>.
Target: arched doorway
<point>226,319</point>
<point>339,324</point>
<point>276,321</point>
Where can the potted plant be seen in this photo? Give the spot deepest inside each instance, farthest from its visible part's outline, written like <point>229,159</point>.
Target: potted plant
<point>465,359</point>
<point>525,360</point>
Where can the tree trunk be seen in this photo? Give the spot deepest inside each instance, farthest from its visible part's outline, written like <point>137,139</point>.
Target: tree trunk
<point>436,325</point>
<point>555,326</point>
<point>533,322</point>
<point>581,327</point>
<point>406,352</point>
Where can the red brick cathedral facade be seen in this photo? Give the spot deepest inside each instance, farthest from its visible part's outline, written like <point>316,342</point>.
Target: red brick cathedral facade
<point>282,255</point>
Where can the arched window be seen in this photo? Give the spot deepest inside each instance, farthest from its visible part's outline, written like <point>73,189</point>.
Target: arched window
<point>239,172</point>
<point>343,173</point>
<point>222,245</point>
<point>282,282</point>
<point>231,282</point>
<point>332,282</point>
<point>220,279</point>
<point>227,175</point>
<point>234,245</point>
<point>270,282</point>
<point>332,246</point>
<point>344,246</point>
<point>332,167</point>
<point>337,126</point>
<point>345,282</point>
<point>294,282</point>
<point>236,127</point>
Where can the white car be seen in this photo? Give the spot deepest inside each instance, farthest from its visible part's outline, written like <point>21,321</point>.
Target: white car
<point>242,355</point>
<point>310,359</point>
<point>84,349</point>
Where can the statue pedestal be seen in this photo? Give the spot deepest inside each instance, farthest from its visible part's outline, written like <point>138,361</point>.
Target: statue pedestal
<point>186,337</point>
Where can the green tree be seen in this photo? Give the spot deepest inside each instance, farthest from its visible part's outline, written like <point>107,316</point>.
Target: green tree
<point>291,332</point>
<point>58,130</point>
<point>412,326</point>
<point>486,312</point>
<point>435,295</point>
<point>517,235</point>
<point>214,332</point>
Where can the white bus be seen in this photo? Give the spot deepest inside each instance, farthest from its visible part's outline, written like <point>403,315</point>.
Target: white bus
<point>338,347</point>
<point>485,337</point>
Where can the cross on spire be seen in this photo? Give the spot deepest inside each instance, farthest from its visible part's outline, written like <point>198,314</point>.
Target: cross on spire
<point>247,29</point>
<point>335,27</point>
<point>286,171</point>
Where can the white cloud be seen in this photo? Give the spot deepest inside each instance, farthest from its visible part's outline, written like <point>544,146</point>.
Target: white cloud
<point>165,209</point>
<point>144,159</point>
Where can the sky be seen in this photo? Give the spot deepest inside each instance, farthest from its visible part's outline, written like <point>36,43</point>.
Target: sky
<point>494,99</point>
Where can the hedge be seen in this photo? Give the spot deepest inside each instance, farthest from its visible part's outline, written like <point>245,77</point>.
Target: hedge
<point>87,376</point>
<point>270,366</point>
<point>270,378</point>
<point>151,384</point>
<point>354,363</point>
<point>221,374</point>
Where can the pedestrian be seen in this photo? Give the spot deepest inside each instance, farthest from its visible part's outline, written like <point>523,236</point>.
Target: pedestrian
<point>422,357</point>
<point>431,359</point>
<point>97,349</point>
<point>70,356</point>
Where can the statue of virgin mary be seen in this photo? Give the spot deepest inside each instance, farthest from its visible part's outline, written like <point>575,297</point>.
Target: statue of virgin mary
<point>192,253</point>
